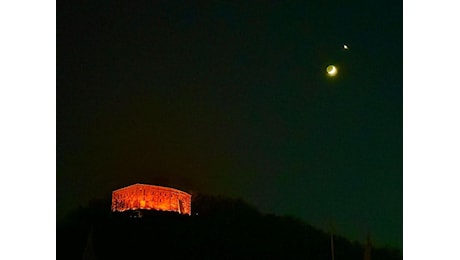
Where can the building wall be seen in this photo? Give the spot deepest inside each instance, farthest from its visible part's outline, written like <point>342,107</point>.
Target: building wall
<point>143,196</point>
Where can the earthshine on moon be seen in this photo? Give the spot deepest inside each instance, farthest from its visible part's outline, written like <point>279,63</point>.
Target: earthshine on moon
<point>331,70</point>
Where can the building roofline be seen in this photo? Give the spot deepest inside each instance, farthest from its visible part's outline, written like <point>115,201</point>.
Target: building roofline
<point>150,185</point>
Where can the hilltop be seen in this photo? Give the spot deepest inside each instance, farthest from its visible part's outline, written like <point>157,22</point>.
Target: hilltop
<point>219,228</point>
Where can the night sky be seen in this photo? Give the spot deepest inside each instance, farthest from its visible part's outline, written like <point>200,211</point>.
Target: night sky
<point>232,98</point>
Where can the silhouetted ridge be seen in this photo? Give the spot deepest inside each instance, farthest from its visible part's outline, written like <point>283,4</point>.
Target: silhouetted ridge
<point>219,228</point>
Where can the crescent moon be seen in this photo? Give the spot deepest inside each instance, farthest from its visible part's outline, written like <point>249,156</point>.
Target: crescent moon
<point>331,70</point>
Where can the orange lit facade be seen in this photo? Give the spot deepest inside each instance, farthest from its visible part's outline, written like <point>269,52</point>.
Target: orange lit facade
<point>151,197</point>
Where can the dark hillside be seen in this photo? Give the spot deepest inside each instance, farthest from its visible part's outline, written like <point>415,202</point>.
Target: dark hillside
<point>223,229</point>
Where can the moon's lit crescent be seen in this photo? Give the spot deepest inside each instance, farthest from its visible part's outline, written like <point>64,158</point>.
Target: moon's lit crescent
<point>331,70</point>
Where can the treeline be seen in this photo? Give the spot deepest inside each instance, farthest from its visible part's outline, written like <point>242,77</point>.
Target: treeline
<point>219,228</point>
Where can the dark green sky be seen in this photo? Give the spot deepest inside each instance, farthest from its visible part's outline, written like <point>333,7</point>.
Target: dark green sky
<point>231,98</point>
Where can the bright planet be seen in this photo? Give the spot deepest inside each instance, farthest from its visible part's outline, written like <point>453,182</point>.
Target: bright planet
<point>331,70</point>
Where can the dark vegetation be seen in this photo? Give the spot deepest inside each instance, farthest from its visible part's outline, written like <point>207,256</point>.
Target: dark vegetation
<point>223,229</point>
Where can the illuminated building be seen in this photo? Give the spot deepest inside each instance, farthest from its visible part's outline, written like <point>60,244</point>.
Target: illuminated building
<point>151,197</point>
